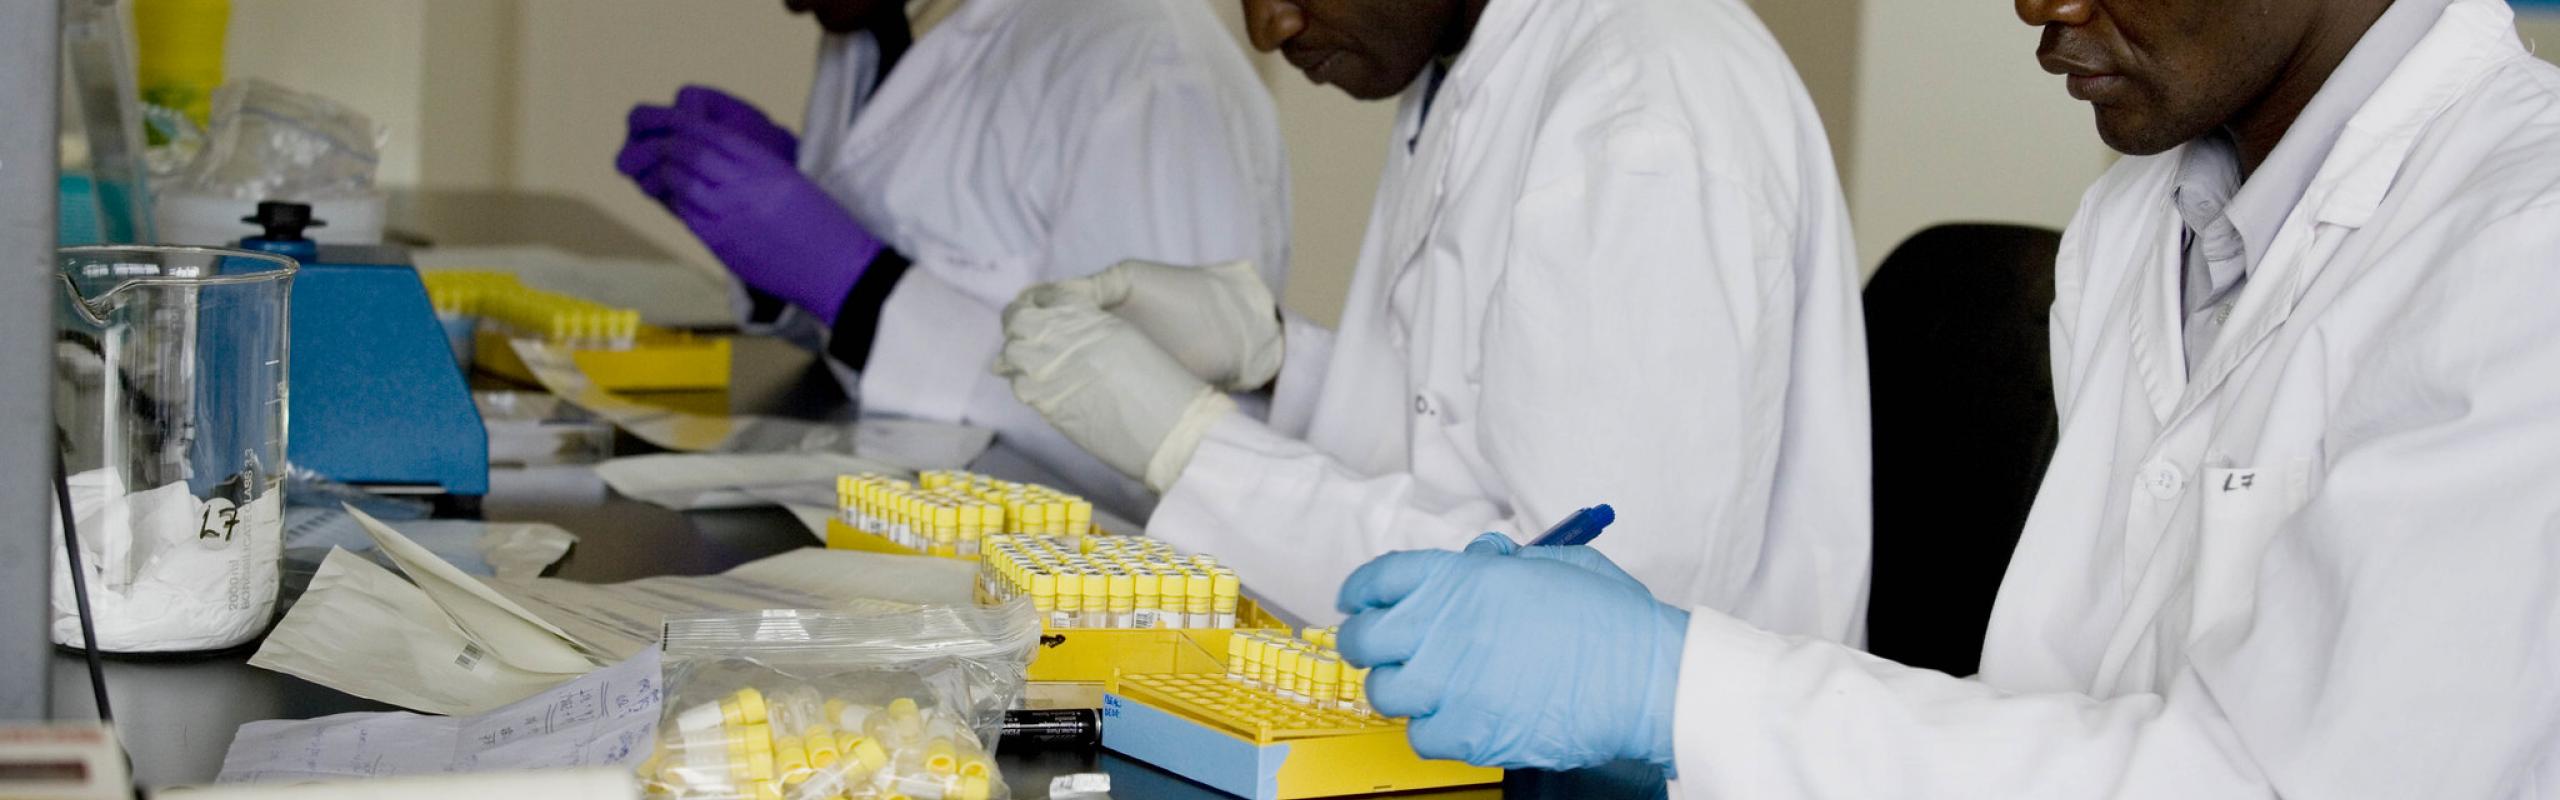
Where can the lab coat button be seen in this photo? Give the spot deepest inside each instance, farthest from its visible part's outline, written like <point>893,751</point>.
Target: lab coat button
<point>1422,405</point>
<point>2164,480</point>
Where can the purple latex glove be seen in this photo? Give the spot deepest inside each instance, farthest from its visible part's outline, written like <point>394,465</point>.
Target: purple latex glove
<point>714,106</point>
<point>770,225</point>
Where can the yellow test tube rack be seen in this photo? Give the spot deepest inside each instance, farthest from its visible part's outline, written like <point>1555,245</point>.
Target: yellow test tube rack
<point>1107,603</point>
<point>611,345</point>
<point>1286,719</point>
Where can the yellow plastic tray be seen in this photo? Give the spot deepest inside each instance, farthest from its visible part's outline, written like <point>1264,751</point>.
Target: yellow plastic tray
<point>661,361</point>
<point>1249,742</point>
<point>1093,655</point>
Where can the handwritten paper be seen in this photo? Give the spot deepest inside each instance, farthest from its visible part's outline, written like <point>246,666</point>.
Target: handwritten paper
<point>607,718</point>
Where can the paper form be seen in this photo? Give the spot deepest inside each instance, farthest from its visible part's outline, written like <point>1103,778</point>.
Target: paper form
<point>606,719</point>
<point>913,444</point>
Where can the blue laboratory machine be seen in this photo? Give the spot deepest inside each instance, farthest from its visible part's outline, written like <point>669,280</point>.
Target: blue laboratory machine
<point>376,399</point>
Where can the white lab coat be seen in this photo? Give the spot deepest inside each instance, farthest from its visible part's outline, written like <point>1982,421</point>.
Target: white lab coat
<point>1615,268</point>
<point>1026,141</point>
<point>2327,564</point>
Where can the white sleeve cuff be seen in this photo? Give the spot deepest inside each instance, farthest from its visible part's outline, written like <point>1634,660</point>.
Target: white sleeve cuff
<point>1724,667</point>
<point>1305,349</point>
<point>935,344</point>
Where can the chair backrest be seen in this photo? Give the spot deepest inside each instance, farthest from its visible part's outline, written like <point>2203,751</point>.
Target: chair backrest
<point>1963,425</point>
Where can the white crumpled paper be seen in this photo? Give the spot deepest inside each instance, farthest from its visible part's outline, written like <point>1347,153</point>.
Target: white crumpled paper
<point>512,550</point>
<point>165,571</point>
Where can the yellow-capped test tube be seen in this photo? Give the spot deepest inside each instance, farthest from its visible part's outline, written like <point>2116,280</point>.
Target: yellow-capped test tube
<point>1224,592</point>
<point>1064,607</point>
<point>1237,648</point>
<point>1174,586</point>
<point>1097,598</point>
<point>1328,680</point>
<point>1269,673</point>
<point>1355,689</point>
<point>1124,599</point>
<point>946,529</point>
<point>1284,673</point>
<point>1200,596</point>
<point>1304,682</point>
<point>1143,582</point>
<point>972,528</point>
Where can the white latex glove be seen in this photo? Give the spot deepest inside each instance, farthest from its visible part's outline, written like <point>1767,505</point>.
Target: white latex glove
<point>1220,322</point>
<point>1103,384</point>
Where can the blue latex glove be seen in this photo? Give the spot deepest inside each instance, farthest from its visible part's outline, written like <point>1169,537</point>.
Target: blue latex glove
<point>740,193</point>
<point>1538,661</point>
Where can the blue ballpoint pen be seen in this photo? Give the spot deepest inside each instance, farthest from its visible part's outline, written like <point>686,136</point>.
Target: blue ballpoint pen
<point>1577,528</point>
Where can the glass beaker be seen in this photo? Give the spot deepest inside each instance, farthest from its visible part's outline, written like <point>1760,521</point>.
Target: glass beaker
<point>169,391</point>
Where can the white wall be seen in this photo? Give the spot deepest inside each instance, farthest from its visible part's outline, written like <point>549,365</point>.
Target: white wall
<point>1937,111</point>
<point>1955,122</point>
<point>584,63</point>
<point>2541,31</point>
<point>1337,147</point>
<point>370,56</point>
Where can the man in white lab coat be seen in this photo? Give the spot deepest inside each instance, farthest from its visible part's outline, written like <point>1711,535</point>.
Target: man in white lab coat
<point>937,175</point>
<point>2301,536</point>
<point>1608,263</point>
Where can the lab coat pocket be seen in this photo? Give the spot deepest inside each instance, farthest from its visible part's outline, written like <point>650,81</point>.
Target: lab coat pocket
<point>2243,510</point>
<point>1443,453</point>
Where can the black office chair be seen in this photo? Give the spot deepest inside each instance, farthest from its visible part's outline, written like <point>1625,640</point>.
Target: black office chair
<point>1964,423</point>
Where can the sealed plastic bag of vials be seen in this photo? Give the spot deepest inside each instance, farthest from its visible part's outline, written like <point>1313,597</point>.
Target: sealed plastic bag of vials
<point>813,705</point>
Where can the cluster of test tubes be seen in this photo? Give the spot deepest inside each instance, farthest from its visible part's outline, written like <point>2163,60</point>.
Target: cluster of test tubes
<point>949,513</point>
<point>499,300</point>
<point>1302,670</point>
<point>1124,582</point>
<point>562,320</point>
<point>457,293</point>
<point>797,744</point>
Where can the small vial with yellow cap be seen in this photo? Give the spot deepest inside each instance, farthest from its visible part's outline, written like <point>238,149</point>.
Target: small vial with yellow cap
<point>1079,517</point>
<point>946,530</point>
<point>1070,605</point>
<point>1355,689</point>
<point>1224,592</point>
<point>1269,674</point>
<point>1097,599</point>
<point>1200,594</point>
<point>1284,675</point>
<point>1146,610</point>
<point>1044,600</point>
<point>1175,587</point>
<point>1034,518</point>
<point>972,529</point>
<point>1303,681</point>
<point>1124,600</point>
<point>1328,681</point>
